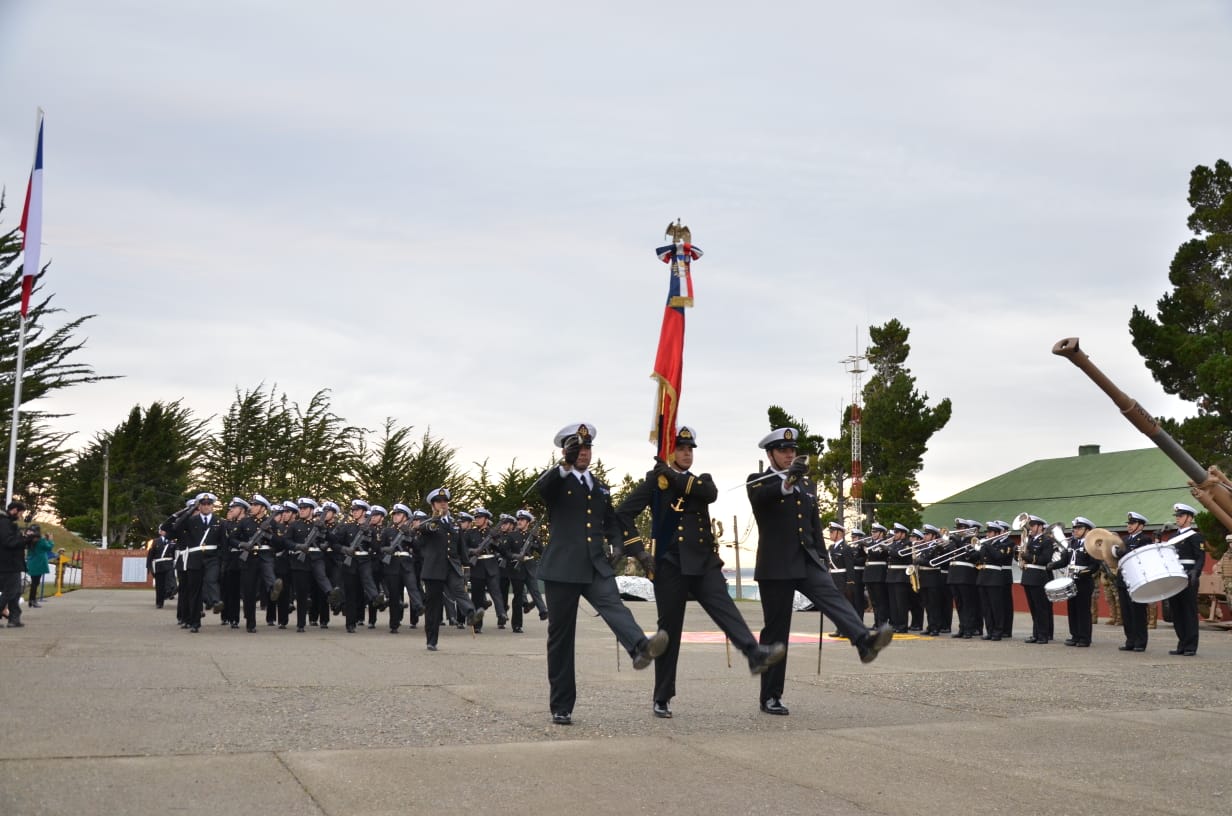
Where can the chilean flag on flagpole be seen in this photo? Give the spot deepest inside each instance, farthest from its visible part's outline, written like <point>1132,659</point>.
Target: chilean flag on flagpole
<point>32,222</point>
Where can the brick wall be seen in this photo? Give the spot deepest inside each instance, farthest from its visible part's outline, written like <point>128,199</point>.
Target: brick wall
<point>101,569</point>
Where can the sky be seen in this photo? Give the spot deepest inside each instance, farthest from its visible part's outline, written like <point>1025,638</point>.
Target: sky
<point>447,213</point>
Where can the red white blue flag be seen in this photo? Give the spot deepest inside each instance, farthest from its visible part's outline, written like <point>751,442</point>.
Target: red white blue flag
<point>32,223</point>
<point>669,359</point>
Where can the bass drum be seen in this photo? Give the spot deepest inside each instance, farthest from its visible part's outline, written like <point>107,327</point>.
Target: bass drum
<point>1153,573</point>
<point>1060,589</point>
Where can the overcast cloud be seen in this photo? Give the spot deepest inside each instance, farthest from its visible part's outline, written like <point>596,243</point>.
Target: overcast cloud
<point>448,214</point>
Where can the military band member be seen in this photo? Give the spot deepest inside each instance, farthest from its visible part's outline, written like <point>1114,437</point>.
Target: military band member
<point>504,528</point>
<point>1036,556</point>
<point>857,561</point>
<point>439,542</point>
<point>398,567</point>
<point>791,558</point>
<point>302,533</point>
<point>576,566</point>
<point>524,548</point>
<point>1188,544</point>
<point>875,566</point>
<point>1133,615</point>
<point>326,596</point>
<point>840,558</point>
<point>1080,566</point>
<point>202,534</point>
<point>160,563</point>
<point>685,563</point>
<point>962,581</point>
<point>181,559</point>
<point>932,580</point>
<point>1007,582</point>
<point>996,555</point>
<point>897,581</point>
<point>353,542</point>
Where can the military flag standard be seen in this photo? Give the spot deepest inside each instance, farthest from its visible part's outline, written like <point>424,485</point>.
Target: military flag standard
<point>32,222</point>
<point>669,359</point>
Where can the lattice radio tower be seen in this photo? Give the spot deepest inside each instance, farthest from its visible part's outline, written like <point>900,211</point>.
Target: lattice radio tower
<point>856,365</point>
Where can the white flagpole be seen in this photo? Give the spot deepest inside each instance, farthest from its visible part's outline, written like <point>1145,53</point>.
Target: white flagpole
<point>21,331</point>
<point>21,364</point>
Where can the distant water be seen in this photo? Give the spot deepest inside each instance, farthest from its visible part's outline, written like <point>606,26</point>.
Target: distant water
<point>748,585</point>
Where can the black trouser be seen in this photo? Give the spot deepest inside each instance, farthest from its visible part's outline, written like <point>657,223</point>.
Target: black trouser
<point>1184,606</point>
<point>1041,612</point>
<point>35,582</point>
<point>484,585</point>
<point>258,578</point>
<point>10,594</point>
<point>164,585</point>
<point>181,604</point>
<point>360,590</point>
<point>1007,603</point>
<point>190,594</point>
<point>934,606</point>
<point>519,598</point>
<point>562,601</point>
<point>211,594</point>
<point>672,589</point>
<point>301,583</point>
<point>400,577</point>
<point>280,610</point>
<point>532,586</point>
<point>455,593</point>
<point>231,579</point>
<point>992,598</point>
<point>970,618</point>
<point>1133,617</point>
<point>915,603</point>
<point>776,600</point>
<point>1078,609</point>
<point>899,605</point>
<point>879,597</point>
<point>854,593</point>
<point>434,607</point>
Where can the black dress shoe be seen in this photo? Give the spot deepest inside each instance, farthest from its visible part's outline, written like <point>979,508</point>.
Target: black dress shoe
<point>350,629</point>
<point>995,638</point>
<point>562,718</point>
<point>985,637</point>
<point>282,626</point>
<point>1083,644</point>
<point>834,634</point>
<point>193,629</point>
<point>543,616</point>
<point>662,711</point>
<point>300,629</point>
<point>763,657</point>
<point>527,607</point>
<point>774,706</point>
<point>1071,642</point>
<point>325,626</point>
<point>651,648</point>
<point>517,630</point>
<point>960,633</point>
<point>431,647</point>
<point>1176,651</point>
<point>1032,639</point>
<point>1139,648</point>
<point>234,625</point>
<point>276,590</point>
<point>943,631</point>
<point>252,629</point>
<point>873,643</point>
<point>1188,653</point>
<point>1125,648</point>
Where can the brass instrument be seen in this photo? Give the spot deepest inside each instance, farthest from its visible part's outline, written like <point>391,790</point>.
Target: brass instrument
<point>964,549</point>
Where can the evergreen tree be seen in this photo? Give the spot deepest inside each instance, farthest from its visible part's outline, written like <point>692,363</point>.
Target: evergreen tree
<point>51,364</point>
<point>1188,344</point>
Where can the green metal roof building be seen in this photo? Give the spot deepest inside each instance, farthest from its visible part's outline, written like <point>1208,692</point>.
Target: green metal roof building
<point>1104,487</point>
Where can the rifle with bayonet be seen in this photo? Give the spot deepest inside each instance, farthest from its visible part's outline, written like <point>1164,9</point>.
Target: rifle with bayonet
<point>394,546</point>
<point>263,531</point>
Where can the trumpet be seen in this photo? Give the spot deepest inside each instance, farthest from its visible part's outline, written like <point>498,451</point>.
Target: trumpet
<point>964,549</point>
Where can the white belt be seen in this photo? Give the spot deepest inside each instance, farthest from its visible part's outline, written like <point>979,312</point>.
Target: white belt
<point>200,549</point>
<point>1189,561</point>
<point>401,554</point>
<point>1036,566</point>
<point>360,552</point>
<point>992,566</point>
<point>844,570</point>
<point>480,558</point>
<point>171,558</point>
<point>860,568</point>
<point>264,547</point>
<point>962,564</point>
<point>899,566</point>
<point>929,569</point>
<point>314,549</point>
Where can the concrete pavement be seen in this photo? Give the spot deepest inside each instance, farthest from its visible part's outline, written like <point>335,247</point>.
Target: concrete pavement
<point>153,720</point>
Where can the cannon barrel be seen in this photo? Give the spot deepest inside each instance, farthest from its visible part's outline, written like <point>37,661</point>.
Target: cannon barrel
<point>1209,486</point>
<point>1131,410</point>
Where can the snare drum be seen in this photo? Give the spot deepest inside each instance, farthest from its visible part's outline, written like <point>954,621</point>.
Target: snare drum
<point>1060,589</point>
<point>1153,572</point>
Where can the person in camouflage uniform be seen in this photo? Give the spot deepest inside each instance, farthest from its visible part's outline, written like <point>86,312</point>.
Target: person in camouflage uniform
<point>1108,590</point>
<point>1225,568</point>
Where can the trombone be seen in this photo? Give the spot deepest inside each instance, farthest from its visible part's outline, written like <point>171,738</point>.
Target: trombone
<point>965,549</point>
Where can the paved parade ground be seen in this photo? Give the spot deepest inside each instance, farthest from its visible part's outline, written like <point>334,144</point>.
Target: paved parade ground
<point>111,709</point>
